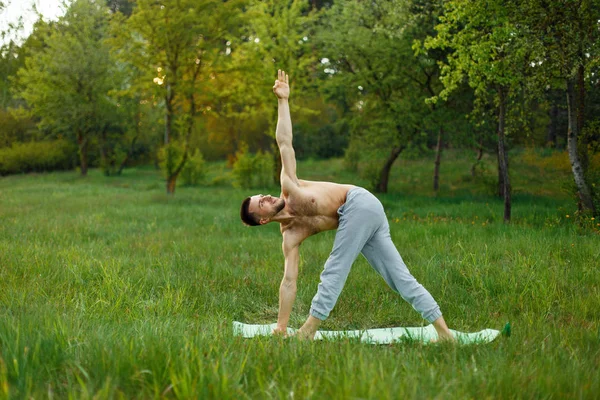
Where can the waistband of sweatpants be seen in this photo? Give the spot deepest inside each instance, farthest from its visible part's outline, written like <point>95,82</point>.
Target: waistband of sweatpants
<point>355,191</point>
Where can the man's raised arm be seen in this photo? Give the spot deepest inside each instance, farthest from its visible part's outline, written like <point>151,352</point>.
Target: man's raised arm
<point>283,133</point>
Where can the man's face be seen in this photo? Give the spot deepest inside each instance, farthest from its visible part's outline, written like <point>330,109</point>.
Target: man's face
<point>265,206</point>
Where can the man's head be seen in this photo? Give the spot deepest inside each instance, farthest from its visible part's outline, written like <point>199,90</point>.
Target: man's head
<point>260,209</point>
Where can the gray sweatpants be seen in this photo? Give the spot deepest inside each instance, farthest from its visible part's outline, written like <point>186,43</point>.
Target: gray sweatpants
<point>363,228</point>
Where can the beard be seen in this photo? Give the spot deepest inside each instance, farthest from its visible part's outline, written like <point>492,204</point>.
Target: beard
<point>279,206</point>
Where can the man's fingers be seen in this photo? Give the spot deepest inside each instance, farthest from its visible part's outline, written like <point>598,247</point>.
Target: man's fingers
<point>282,77</point>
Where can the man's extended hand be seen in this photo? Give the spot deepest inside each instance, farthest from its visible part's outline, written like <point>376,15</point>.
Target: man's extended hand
<point>282,85</point>
<point>280,332</point>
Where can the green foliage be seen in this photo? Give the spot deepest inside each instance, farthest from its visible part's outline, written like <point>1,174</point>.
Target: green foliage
<point>66,81</point>
<point>385,100</point>
<point>488,47</point>
<point>123,6</point>
<point>170,156</point>
<point>273,35</point>
<point>352,156</point>
<point>326,141</point>
<point>37,157</point>
<point>15,128</point>
<point>252,170</point>
<point>113,158</point>
<point>194,170</point>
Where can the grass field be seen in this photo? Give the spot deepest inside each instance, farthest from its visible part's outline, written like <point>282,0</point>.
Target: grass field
<point>111,289</point>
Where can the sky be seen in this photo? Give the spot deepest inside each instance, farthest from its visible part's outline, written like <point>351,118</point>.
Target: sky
<point>50,9</point>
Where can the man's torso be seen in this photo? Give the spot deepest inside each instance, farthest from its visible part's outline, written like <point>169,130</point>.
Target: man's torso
<point>313,207</point>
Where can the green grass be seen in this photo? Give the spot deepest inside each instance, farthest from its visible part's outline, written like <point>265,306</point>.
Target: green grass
<point>111,289</point>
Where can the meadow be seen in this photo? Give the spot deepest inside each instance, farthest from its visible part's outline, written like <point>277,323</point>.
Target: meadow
<point>109,288</point>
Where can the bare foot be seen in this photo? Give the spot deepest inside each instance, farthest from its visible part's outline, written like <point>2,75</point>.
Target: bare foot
<point>444,334</point>
<point>444,338</point>
<point>303,334</point>
<point>309,329</point>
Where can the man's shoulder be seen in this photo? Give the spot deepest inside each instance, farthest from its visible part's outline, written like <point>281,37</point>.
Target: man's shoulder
<point>294,233</point>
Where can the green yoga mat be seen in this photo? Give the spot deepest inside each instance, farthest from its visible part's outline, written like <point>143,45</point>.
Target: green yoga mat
<point>423,334</point>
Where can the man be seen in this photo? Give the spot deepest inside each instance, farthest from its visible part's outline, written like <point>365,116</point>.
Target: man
<point>305,208</point>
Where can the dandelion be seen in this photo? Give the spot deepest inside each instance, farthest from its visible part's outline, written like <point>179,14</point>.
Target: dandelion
<point>593,219</point>
<point>567,215</point>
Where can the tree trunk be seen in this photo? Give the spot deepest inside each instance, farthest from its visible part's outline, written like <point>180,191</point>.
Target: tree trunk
<point>172,179</point>
<point>382,185</point>
<point>169,113</point>
<point>137,119</point>
<point>479,155</point>
<point>551,139</point>
<point>104,153</point>
<point>585,197</point>
<point>83,161</point>
<point>500,175</point>
<point>438,156</point>
<point>582,146</point>
<point>128,156</point>
<point>503,156</point>
<point>581,99</point>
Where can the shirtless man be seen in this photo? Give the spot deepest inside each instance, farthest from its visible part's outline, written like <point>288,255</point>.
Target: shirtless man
<point>305,208</point>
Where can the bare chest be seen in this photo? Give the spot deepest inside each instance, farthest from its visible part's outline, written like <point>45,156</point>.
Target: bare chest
<point>311,216</point>
<point>304,206</point>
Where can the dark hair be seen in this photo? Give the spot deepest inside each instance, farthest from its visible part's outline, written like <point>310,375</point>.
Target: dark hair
<point>247,217</point>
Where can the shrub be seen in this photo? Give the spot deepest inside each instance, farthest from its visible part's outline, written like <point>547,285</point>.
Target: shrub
<point>37,157</point>
<point>252,170</point>
<point>352,156</point>
<point>169,157</point>
<point>194,170</point>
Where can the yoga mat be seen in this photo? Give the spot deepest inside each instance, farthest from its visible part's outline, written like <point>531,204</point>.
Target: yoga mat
<point>423,334</point>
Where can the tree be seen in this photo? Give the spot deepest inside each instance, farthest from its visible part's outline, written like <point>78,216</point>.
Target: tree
<point>66,83</point>
<point>371,71</point>
<point>491,52</point>
<point>123,6</point>
<point>569,35</point>
<point>177,44</point>
<point>278,35</point>
<point>422,16</point>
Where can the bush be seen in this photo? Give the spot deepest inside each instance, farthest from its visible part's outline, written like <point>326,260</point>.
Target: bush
<point>169,157</point>
<point>252,170</point>
<point>37,157</point>
<point>352,156</point>
<point>194,170</point>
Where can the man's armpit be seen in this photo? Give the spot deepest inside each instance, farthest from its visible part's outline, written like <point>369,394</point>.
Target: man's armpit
<point>288,183</point>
